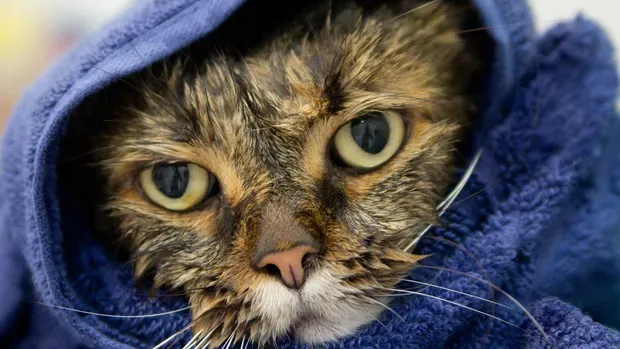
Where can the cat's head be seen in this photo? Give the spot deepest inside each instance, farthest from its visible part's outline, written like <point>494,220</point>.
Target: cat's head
<point>276,188</point>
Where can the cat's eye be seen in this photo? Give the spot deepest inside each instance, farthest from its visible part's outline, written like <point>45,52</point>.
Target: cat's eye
<point>370,140</point>
<point>176,186</point>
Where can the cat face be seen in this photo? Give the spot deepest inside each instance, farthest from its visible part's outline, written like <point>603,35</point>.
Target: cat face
<point>277,189</point>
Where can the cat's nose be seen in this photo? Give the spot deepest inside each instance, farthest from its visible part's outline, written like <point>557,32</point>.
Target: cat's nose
<point>289,263</point>
<point>282,244</point>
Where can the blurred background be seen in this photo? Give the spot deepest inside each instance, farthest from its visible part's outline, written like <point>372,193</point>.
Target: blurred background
<point>33,33</point>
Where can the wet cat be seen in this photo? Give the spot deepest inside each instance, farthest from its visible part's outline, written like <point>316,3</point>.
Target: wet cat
<point>275,184</point>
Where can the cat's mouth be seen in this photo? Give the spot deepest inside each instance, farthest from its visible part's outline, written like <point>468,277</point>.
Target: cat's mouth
<point>335,300</point>
<point>323,310</point>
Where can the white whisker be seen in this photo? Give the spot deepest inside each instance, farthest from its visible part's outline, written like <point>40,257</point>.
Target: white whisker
<point>160,345</point>
<point>455,291</point>
<point>461,184</point>
<point>190,344</point>
<point>435,278</point>
<point>512,299</point>
<point>377,320</point>
<point>416,9</point>
<point>385,306</point>
<point>230,339</point>
<point>203,344</point>
<point>454,303</point>
<point>112,315</point>
<point>447,202</point>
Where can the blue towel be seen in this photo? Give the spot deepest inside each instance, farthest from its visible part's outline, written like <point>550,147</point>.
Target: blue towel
<point>540,218</point>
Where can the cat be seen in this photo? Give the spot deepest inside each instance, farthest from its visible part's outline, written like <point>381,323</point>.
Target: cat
<point>275,183</point>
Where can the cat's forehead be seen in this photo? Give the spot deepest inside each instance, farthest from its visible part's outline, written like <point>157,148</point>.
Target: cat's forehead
<point>251,104</point>
<point>281,94</point>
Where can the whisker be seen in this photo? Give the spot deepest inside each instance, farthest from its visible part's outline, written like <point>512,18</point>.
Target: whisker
<point>447,202</point>
<point>415,9</point>
<point>535,121</point>
<point>490,185</point>
<point>192,323</point>
<point>478,265</point>
<point>455,291</point>
<point>466,251</point>
<point>434,101</point>
<point>230,339</point>
<point>112,315</point>
<point>206,337</point>
<point>473,30</point>
<point>190,344</point>
<point>161,344</point>
<point>512,299</point>
<point>204,344</point>
<point>119,79</point>
<point>377,320</point>
<point>454,303</point>
<point>385,306</point>
<point>435,278</point>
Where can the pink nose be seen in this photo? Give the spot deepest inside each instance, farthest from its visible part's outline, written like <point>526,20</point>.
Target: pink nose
<point>289,263</point>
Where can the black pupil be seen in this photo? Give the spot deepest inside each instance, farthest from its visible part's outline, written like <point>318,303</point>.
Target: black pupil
<point>371,132</point>
<point>171,179</point>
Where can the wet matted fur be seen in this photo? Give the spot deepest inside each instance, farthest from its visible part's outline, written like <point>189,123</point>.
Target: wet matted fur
<point>261,118</point>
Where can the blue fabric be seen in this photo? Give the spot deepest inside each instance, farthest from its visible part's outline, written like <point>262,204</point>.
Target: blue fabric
<point>542,218</point>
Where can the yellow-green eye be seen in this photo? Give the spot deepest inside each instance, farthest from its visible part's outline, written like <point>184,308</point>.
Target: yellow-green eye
<point>370,140</point>
<point>176,186</point>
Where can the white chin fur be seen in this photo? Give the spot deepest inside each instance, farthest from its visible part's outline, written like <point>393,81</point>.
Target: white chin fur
<point>277,305</point>
<point>319,313</point>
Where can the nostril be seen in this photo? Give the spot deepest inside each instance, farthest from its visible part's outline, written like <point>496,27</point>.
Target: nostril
<point>307,259</point>
<point>288,265</point>
<point>272,269</point>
